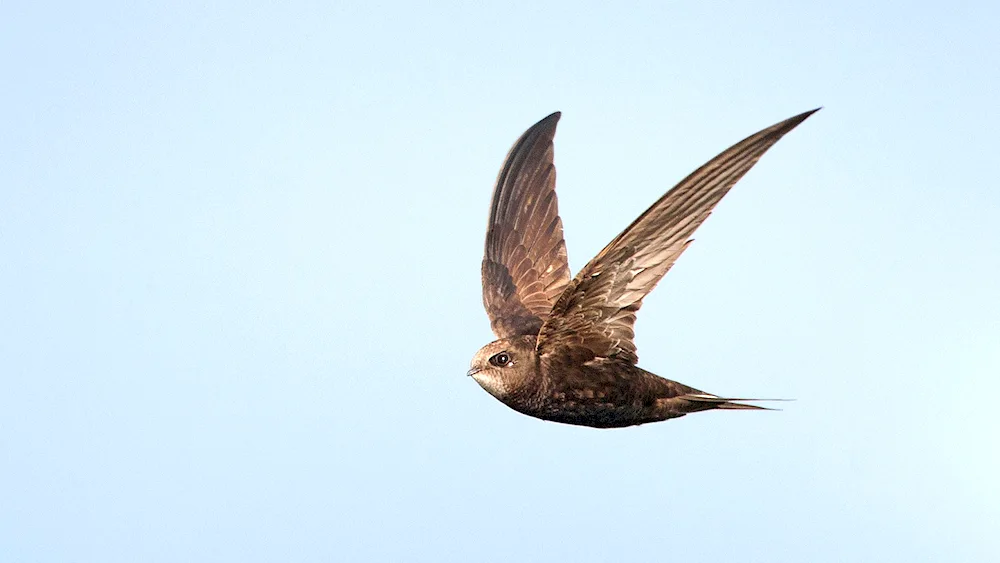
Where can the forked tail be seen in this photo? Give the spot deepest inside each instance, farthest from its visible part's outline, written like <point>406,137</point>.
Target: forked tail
<point>708,402</point>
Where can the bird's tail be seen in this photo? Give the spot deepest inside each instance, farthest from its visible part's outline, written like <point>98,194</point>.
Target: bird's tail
<point>708,401</point>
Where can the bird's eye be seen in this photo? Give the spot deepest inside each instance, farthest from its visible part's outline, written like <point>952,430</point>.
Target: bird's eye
<point>500,360</point>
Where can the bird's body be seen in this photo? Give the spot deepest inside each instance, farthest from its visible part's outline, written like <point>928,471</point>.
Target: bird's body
<point>565,351</point>
<point>599,392</point>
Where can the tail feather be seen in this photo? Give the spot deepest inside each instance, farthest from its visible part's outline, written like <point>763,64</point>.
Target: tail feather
<point>726,403</point>
<point>743,407</point>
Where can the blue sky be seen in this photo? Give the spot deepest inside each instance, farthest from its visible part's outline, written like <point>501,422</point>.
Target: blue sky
<point>239,281</point>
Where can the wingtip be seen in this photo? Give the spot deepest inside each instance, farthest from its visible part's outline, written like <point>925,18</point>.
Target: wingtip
<point>779,129</point>
<point>812,111</point>
<point>804,115</point>
<point>547,123</point>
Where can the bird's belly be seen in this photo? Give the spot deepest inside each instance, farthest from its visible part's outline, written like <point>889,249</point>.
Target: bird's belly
<point>597,413</point>
<point>603,398</point>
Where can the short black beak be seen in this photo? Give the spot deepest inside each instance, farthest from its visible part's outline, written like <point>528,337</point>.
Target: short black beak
<point>473,371</point>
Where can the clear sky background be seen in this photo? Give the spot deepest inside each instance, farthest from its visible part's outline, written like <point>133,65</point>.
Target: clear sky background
<point>239,281</point>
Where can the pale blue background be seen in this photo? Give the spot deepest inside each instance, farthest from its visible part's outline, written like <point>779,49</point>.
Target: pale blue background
<point>239,281</point>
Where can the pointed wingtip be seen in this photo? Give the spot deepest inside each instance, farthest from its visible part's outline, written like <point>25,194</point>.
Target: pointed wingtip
<point>547,123</point>
<point>803,116</point>
<point>778,130</point>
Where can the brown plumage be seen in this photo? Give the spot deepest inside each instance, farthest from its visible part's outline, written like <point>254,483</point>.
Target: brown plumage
<point>565,351</point>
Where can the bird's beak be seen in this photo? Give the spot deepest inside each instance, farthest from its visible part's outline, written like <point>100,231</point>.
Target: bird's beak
<point>473,371</point>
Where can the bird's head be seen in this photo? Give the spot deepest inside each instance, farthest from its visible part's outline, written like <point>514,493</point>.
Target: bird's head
<point>502,366</point>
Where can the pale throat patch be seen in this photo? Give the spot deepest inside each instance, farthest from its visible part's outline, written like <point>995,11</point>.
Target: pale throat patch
<point>493,385</point>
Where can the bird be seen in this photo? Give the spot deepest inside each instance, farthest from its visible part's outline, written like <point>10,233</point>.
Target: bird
<point>565,349</point>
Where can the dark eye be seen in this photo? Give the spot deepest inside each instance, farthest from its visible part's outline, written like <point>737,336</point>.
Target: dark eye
<point>500,360</point>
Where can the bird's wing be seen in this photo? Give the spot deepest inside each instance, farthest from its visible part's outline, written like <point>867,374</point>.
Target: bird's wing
<point>594,316</point>
<point>525,267</point>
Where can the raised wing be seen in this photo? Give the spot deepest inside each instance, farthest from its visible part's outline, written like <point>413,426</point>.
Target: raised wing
<point>524,267</point>
<point>594,316</point>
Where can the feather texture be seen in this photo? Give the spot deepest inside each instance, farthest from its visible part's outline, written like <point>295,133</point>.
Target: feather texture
<point>597,310</point>
<point>524,266</point>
